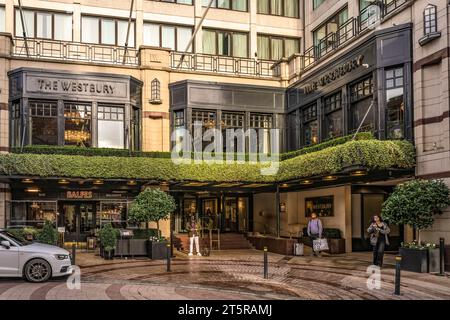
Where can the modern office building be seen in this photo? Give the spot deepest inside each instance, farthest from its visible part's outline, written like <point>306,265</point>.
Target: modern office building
<point>316,70</point>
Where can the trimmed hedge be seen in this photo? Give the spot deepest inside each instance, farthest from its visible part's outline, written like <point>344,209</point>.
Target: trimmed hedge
<point>373,154</point>
<point>109,152</point>
<point>327,144</point>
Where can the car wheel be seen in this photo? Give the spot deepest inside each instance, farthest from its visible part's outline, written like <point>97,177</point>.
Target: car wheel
<point>37,270</point>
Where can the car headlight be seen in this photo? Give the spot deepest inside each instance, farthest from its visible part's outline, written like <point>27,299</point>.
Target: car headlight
<point>61,256</point>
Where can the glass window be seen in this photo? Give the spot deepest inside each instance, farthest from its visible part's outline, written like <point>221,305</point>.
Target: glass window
<point>291,8</point>
<point>286,8</point>
<point>151,35</point>
<point>225,43</point>
<point>333,116</point>
<point>264,47</point>
<point>430,19</point>
<point>207,119</point>
<point>263,6</point>
<point>111,125</point>
<point>16,123</point>
<point>262,122</point>
<point>122,29</point>
<point>183,37</point>
<point>328,28</point>
<point>178,118</point>
<point>361,95</point>
<point>2,19</point>
<point>168,37</point>
<point>43,122</point>
<point>77,124</point>
<point>28,20</point>
<point>275,48</point>
<point>317,3</point>
<point>395,107</point>
<point>135,128</point>
<point>90,30</point>
<point>310,125</point>
<point>108,31</point>
<point>43,25</point>
<point>238,5</point>
<point>63,27</point>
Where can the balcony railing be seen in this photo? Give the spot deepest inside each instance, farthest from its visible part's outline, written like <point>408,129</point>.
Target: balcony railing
<point>352,28</point>
<point>221,64</point>
<point>75,51</point>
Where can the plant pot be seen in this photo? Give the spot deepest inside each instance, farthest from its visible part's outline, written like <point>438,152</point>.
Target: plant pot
<point>422,261</point>
<point>157,250</point>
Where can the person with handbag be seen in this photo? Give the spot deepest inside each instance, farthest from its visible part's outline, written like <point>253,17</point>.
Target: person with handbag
<point>314,231</point>
<point>378,231</point>
<point>193,228</point>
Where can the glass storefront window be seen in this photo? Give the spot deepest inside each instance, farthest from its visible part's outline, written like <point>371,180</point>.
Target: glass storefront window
<point>31,213</point>
<point>310,125</point>
<point>231,122</point>
<point>207,120</point>
<point>111,127</point>
<point>16,124</point>
<point>77,124</point>
<point>262,123</point>
<point>395,107</point>
<point>113,212</point>
<point>333,116</point>
<point>43,122</point>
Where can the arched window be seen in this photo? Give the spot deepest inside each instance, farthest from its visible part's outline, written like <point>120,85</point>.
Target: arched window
<point>430,19</point>
<point>155,91</point>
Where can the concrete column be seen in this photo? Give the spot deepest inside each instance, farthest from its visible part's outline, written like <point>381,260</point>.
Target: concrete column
<point>9,16</point>
<point>252,9</point>
<point>347,232</point>
<point>5,50</point>
<point>277,210</point>
<point>76,22</point>
<point>198,45</point>
<point>139,38</point>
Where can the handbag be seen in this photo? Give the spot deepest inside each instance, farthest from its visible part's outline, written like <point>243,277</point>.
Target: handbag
<point>320,244</point>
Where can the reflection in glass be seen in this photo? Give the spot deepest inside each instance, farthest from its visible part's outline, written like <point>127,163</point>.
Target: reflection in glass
<point>77,124</point>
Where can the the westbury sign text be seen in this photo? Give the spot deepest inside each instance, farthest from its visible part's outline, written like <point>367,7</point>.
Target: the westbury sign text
<point>45,84</point>
<point>334,75</point>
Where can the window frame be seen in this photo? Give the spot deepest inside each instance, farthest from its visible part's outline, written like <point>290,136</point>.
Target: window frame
<point>33,105</point>
<point>175,2</point>
<point>306,121</point>
<point>430,11</point>
<point>354,101</point>
<point>231,32</point>
<point>273,36</point>
<point>214,5</point>
<point>314,6</point>
<point>326,22</point>
<point>35,12</point>
<point>116,29</point>
<point>283,11</point>
<point>326,112</point>
<point>175,26</point>
<point>98,120</point>
<point>3,25</point>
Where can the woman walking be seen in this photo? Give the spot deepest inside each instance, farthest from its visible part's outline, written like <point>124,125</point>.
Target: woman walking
<point>378,231</point>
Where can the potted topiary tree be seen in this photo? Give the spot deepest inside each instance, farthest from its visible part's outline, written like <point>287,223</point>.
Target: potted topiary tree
<point>152,205</point>
<point>47,234</point>
<point>415,203</point>
<point>108,239</point>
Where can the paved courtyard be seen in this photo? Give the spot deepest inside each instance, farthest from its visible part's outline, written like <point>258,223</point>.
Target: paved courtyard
<point>233,274</point>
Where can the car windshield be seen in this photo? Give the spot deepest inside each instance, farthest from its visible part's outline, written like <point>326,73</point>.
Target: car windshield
<point>19,241</point>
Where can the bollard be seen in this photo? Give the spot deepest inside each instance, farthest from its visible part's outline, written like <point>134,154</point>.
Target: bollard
<point>441,257</point>
<point>398,260</point>
<point>73,253</point>
<point>168,257</point>
<point>266,273</point>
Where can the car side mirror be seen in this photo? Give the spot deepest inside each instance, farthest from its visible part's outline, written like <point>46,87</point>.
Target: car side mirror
<point>6,244</point>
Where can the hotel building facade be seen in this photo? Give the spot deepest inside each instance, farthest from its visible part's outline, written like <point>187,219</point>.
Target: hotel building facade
<point>316,70</point>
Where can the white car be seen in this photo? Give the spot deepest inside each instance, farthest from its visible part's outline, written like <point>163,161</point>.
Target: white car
<point>36,262</point>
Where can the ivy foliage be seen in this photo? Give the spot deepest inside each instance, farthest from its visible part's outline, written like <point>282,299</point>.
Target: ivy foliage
<point>415,203</point>
<point>371,153</point>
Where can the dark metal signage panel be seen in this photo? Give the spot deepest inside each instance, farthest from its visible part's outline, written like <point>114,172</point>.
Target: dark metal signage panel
<point>322,206</point>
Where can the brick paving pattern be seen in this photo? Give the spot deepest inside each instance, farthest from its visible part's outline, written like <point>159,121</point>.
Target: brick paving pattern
<point>231,274</point>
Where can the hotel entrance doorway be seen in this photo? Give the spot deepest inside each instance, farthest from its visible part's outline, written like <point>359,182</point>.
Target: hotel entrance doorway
<point>79,219</point>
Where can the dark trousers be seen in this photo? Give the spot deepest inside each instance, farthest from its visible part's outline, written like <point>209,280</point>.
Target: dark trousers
<point>378,251</point>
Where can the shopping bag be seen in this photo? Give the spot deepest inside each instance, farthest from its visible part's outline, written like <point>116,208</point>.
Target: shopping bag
<point>320,244</point>
<point>298,249</point>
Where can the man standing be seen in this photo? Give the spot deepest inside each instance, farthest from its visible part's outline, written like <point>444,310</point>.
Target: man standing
<point>314,230</point>
<point>193,228</point>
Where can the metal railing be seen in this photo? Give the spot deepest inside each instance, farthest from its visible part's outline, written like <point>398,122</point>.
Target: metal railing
<point>221,64</point>
<point>352,28</point>
<point>75,51</point>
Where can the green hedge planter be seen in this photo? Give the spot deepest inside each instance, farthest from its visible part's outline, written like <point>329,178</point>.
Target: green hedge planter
<point>371,153</point>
